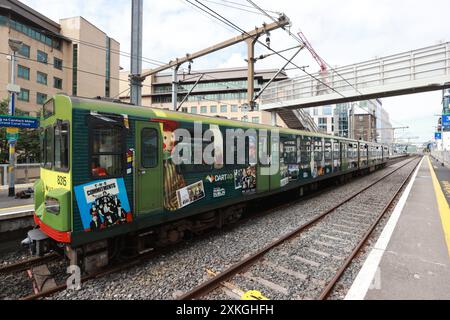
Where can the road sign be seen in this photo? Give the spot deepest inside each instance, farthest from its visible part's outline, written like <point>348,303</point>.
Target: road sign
<point>438,136</point>
<point>18,122</point>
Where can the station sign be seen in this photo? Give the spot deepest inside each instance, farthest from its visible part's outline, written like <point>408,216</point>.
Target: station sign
<point>12,134</point>
<point>19,122</point>
<point>446,120</point>
<point>12,130</point>
<point>438,136</point>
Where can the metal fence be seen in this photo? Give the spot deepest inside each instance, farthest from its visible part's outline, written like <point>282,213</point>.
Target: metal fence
<point>441,156</point>
<point>413,68</point>
<point>25,173</point>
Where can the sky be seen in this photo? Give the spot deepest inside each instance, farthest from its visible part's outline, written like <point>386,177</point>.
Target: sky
<point>342,32</point>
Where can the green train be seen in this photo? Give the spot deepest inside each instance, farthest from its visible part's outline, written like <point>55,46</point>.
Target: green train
<point>118,177</point>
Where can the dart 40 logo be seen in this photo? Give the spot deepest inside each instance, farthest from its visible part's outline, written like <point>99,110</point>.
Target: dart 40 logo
<point>219,177</point>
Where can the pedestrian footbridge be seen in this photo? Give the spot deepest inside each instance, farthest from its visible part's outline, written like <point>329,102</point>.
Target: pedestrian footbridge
<point>420,70</point>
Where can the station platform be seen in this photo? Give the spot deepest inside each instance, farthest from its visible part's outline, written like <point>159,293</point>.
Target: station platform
<point>411,258</point>
<point>10,206</point>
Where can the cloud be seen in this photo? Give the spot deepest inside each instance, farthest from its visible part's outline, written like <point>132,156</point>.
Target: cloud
<point>235,60</point>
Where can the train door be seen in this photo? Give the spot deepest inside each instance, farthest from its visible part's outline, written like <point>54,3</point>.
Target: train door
<point>149,175</point>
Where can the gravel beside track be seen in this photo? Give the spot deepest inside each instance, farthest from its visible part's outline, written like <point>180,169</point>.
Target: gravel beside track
<point>17,284</point>
<point>184,266</point>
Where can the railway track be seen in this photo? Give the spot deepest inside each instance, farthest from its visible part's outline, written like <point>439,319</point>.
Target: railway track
<point>117,267</point>
<point>307,262</point>
<point>27,264</point>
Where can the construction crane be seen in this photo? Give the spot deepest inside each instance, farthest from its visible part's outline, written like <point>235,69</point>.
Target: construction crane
<point>307,44</point>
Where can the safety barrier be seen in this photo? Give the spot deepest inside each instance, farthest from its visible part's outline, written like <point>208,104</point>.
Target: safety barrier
<point>24,174</point>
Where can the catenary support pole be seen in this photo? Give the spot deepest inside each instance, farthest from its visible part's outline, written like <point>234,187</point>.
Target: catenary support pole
<point>12,143</point>
<point>136,52</point>
<point>175,88</point>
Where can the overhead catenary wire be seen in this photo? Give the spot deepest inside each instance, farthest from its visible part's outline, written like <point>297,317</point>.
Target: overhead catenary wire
<point>247,6</point>
<point>228,22</point>
<point>122,53</point>
<point>100,47</point>
<point>328,65</point>
<point>70,68</point>
<point>224,4</point>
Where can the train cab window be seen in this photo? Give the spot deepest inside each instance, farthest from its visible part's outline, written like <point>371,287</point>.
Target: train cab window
<point>107,151</point>
<point>48,108</point>
<point>48,147</point>
<point>149,148</point>
<point>62,147</point>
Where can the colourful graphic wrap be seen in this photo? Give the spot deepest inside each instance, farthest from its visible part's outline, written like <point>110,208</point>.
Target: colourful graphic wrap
<point>103,204</point>
<point>172,180</point>
<point>245,179</point>
<point>190,194</point>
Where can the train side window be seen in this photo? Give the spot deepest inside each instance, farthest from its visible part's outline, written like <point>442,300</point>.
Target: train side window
<point>328,150</point>
<point>149,148</point>
<point>49,136</point>
<point>305,151</point>
<point>318,150</point>
<point>336,151</point>
<point>62,147</point>
<point>289,150</point>
<point>107,151</point>
<point>263,150</point>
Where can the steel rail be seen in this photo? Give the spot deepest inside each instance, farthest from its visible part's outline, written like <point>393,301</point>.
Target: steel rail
<point>328,289</point>
<point>24,265</point>
<point>86,278</point>
<point>214,282</point>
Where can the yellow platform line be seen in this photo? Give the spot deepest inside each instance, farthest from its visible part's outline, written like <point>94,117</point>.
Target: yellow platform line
<point>444,209</point>
<point>18,207</point>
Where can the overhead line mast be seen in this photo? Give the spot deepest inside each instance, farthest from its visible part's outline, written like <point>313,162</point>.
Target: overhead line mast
<point>136,52</point>
<point>249,37</point>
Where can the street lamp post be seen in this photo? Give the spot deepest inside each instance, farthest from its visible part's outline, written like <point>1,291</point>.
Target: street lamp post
<point>15,46</point>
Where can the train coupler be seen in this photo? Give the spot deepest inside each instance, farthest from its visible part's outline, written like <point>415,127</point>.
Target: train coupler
<point>38,242</point>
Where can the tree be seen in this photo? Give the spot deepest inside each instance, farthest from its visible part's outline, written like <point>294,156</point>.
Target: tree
<point>28,145</point>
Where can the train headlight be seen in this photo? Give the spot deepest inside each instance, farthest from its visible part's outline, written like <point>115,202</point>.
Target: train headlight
<point>52,206</point>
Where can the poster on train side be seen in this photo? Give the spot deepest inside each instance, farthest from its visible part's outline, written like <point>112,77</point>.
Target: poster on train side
<point>103,204</point>
<point>190,194</point>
